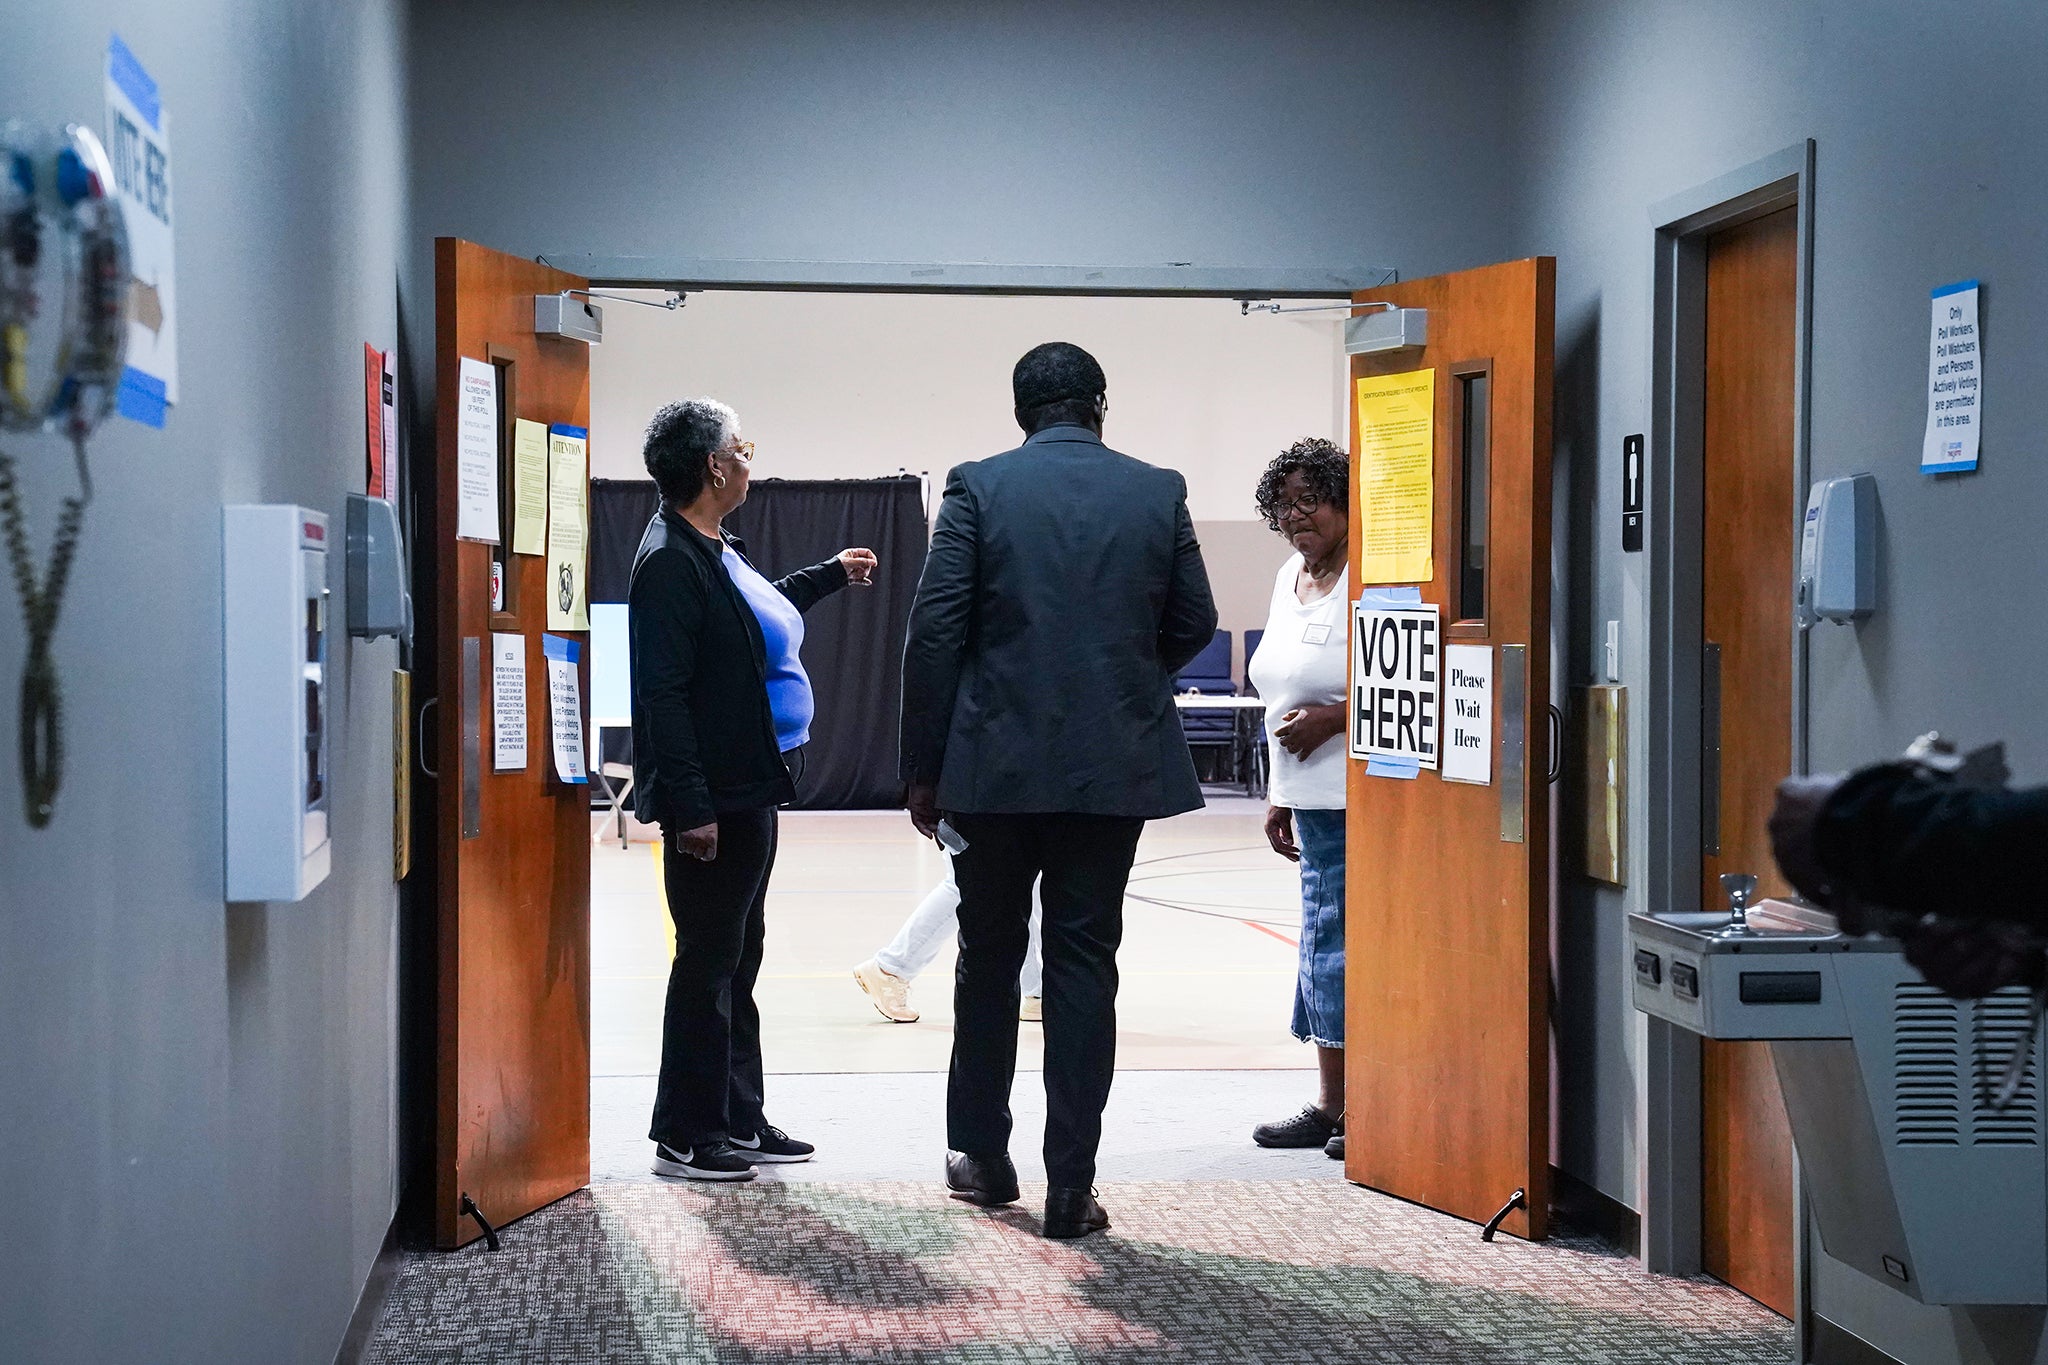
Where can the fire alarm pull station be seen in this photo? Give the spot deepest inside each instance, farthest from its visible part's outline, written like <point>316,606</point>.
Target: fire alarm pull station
<point>275,623</point>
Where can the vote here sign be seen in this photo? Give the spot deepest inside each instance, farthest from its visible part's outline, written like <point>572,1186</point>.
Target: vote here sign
<point>1396,658</point>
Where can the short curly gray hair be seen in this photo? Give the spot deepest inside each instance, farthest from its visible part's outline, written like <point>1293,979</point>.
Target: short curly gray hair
<point>680,438</point>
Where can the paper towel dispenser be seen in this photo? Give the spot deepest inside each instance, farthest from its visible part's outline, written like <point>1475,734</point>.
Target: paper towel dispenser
<point>1838,551</point>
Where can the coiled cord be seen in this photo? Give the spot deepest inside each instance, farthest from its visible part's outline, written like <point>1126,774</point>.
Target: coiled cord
<point>42,597</point>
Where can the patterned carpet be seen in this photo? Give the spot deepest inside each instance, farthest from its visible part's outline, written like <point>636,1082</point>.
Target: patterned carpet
<point>1196,1272</point>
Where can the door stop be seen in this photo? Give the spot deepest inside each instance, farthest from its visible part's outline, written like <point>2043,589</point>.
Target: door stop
<point>1518,1200</point>
<point>470,1210</point>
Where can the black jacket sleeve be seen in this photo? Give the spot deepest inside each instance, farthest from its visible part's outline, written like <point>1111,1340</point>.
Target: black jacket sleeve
<point>808,587</point>
<point>1891,837</point>
<point>669,599</point>
<point>1188,622</point>
<point>936,643</point>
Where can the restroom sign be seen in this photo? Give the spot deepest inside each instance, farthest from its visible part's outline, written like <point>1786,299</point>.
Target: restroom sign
<point>1396,660</point>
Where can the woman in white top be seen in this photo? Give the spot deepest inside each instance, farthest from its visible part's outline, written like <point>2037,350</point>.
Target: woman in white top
<point>1305,496</point>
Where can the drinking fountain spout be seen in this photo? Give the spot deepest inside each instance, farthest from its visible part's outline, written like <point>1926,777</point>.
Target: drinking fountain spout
<point>1741,889</point>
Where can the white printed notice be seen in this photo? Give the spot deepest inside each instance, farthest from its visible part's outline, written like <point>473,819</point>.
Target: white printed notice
<point>508,701</point>
<point>139,153</point>
<point>1955,382</point>
<point>1395,663</point>
<point>565,707</point>
<point>1468,713</point>
<point>476,453</point>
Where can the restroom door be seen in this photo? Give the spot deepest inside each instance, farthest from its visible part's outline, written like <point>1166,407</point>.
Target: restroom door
<point>1447,1063</point>
<point>510,863</point>
<point>1751,513</point>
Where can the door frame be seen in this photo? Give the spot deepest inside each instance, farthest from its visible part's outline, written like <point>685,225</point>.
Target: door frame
<point>1669,1102</point>
<point>421,1046</point>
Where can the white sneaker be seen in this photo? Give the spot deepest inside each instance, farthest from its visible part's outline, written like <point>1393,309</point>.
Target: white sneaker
<point>890,994</point>
<point>1031,1010</point>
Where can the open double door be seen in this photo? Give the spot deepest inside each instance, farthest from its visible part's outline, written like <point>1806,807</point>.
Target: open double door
<point>505,866</point>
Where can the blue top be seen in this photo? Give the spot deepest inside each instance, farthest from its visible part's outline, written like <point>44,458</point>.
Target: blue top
<point>782,631</point>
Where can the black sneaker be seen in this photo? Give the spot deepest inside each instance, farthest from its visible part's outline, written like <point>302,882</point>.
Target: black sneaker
<point>1334,1148</point>
<point>772,1144</point>
<point>710,1161</point>
<point>1310,1128</point>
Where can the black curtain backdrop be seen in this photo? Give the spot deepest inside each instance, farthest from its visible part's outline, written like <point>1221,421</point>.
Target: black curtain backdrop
<point>853,641</point>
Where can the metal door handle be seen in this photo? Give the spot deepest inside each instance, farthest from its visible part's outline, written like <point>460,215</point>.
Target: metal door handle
<point>420,738</point>
<point>1555,758</point>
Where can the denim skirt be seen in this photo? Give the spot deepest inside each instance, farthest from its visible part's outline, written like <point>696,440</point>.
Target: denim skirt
<point>1319,987</point>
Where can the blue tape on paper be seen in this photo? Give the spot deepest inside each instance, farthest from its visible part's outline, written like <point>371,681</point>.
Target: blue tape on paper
<point>1953,467</point>
<point>564,429</point>
<point>1958,287</point>
<point>142,397</point>
<point>1390,597</point>
<point>131,80</point>
<point>1407,768</point>
<point>555,647</point>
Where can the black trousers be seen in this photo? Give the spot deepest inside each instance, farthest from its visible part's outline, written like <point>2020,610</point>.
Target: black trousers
<point>710,1084</point>
<point>1085,861</point>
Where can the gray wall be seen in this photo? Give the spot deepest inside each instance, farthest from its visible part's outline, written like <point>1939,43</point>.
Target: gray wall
<point>1931,123</point>
<point>1063,132</point>
<point>198,1118</point>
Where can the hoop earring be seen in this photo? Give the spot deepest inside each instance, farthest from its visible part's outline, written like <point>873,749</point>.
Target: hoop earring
<point>718,480</point>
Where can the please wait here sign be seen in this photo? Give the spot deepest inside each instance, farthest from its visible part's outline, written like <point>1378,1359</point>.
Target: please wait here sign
<point>1395,662</point>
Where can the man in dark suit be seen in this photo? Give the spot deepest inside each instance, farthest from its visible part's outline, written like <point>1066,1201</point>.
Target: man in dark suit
<point>1063,593</point>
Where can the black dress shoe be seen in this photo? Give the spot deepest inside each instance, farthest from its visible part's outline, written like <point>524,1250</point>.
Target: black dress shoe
<point>1071,1211</point>
<point>989,1181</point>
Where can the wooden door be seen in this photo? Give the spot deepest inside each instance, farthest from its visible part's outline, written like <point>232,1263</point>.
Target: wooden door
<point>511,850</point>
<point>1448,917</point>
<point>1752,529</point>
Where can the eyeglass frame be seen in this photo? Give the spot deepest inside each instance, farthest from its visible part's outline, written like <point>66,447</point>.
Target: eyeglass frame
<point>1305,506</point>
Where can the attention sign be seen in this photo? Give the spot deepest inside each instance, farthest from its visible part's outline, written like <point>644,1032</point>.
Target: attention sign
<point>1395,663</point>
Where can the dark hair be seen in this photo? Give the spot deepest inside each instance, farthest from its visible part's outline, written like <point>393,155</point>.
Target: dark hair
<point>1323,466</point>
<point>1057,383</point>
<point>680,438</point>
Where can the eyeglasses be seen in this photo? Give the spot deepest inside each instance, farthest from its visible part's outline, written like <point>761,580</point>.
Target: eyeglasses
<point>743,451</point>
<point>1304,506</point>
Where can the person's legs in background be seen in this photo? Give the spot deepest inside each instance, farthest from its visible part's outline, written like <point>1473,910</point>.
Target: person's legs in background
<point>712,905</point>
<point>1319,985</point>
<point>886,976</point>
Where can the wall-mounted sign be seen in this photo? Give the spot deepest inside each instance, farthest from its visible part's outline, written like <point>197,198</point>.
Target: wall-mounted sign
<point>1396,663</point>
<point>1632,494</point>
<point>139,150</point>
<point>1955,382</point>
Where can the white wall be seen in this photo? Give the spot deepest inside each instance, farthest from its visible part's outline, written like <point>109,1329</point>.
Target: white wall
<point>845,386</point>
<point>833,386</point>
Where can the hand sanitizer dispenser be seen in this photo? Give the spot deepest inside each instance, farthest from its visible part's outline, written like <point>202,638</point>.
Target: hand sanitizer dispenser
<point>1838,551</point>
<point>275,625</point>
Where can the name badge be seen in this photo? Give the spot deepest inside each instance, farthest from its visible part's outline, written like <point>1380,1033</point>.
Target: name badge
<point>1316,635</point>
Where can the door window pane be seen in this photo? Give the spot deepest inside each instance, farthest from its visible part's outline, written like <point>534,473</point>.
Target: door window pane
<point>1473,471</point>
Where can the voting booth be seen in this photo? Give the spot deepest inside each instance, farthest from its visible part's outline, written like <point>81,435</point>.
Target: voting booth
<point>1917,1121</point>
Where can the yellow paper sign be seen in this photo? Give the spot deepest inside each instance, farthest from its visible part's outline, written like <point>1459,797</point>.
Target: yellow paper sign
<point>529,487</point>
<point>1395,485</point>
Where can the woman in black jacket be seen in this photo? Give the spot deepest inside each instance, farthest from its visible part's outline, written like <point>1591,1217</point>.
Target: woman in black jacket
<point>719,697</point>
